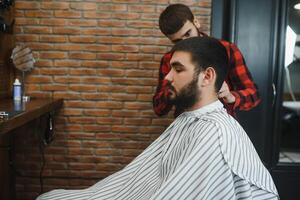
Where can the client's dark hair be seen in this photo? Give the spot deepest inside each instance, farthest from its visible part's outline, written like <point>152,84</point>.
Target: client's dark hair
<point>206,52</point>
<point>174,17</point>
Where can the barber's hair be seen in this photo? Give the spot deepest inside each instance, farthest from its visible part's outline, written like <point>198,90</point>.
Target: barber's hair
<point>174,17</point>
<point>206,52</point>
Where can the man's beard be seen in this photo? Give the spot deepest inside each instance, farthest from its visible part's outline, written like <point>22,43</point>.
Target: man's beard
<point>187,96</point>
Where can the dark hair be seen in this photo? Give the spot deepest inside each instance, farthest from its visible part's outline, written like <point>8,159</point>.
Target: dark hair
<point>206,52</point>
<point>174,17</point>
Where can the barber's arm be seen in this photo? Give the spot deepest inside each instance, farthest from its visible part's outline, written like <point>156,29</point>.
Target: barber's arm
<point>160,102</point>
<point>241,93</point>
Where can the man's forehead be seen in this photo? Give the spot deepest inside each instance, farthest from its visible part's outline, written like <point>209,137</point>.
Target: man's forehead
<point>182,57</point>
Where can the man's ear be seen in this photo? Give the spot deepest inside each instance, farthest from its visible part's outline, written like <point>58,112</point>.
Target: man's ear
<point>209,76</point>
<point>196,23</point>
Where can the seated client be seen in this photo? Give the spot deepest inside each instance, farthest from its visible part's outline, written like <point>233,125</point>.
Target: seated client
<point>204,154</point>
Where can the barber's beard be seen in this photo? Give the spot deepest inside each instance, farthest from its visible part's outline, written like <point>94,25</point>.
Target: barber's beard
<point>187,96</point>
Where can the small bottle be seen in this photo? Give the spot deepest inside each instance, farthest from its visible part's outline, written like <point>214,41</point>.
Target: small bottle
<point>17,90</point>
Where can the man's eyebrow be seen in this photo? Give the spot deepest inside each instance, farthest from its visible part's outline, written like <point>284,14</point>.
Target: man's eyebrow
<point>177,64</point>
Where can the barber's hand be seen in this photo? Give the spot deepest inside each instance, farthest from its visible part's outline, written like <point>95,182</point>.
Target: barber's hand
<point>225,94</point>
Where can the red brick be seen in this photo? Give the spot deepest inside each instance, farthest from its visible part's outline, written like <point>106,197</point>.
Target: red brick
<point>66,80</point>
<point>95,64</point>
<point>66,95</point>
<point>139,73</point>
<point>139,89</point>
<point>66,63</point>
<point>53,22</point>
<point>142,24</point>
<point>67,47</point>
<point>54,87</point>
<point>137,105</point>
<point>67,14</point>
<point>151,32</point>
<point>120,113</point>
<point>150,16</point>
<point>82,39</point>
<point>110,72</point>
<point>141,8</point>
<point>80,104</point>
<point>131,152</point>
<point>80,135</point>
<point>112,7</point>
<point>82,23</point>
<point>124,64</point>
<point>55,5</point>
<point>96,48</point>
<point>66,30</point>
<point>40,46</point>
<point>123,97</point>
<point>52,39</point>
<point>53,55</point>
<point>97,112</point>
<point>109,152</point>
<point>20,5</point>
<point>97,15</point>
<point>80,151</point>
<point>84,6</point>
<point>125,48</point>
<point>112,40</point>
<point>111,23</point>
<point>150,65</point>
<point>96,128</point>
<point>82,120</point>
<point>153,49</point>
<point>95,143</point>
<point>109,104</point>
<point>39,79</point>
<point>125,129</point>
<point>53,71</point>
<point>27,38</point>
<point>82,72</point>
<point>145,97</point>
<point>38,13</point>
<point>127,32</point>
<point>94,80</point>
<point>134,81</point>
<point>72,112</point>
<point>111,56</point>
<point>109,121</point>
<point>83,88</point>
<point>139,57</point>
<point>84,56</point>
<point>137,121</point>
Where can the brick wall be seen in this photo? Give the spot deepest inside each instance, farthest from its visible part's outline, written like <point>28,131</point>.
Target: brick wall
<point>102,57</point>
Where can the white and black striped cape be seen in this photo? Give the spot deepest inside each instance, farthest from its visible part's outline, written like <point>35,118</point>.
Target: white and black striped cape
<point>204,154</point>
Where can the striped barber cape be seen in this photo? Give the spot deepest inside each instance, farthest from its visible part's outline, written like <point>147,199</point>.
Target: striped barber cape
<point>204,154</point>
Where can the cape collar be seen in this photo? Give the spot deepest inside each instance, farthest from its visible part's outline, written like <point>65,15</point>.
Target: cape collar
<point>205,109</point>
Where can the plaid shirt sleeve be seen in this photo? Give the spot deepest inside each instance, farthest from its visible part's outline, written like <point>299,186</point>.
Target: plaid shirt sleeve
<point>160,102</point>
<point>240,81</point>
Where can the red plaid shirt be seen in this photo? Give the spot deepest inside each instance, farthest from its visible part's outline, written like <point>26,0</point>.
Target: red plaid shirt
<point>239,81</point>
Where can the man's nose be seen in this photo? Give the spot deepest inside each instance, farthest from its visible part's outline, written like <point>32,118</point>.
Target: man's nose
<point>169,76</point>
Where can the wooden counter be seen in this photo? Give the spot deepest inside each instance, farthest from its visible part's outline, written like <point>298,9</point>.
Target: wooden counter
<point>31,110</point>
<point>28,112</point>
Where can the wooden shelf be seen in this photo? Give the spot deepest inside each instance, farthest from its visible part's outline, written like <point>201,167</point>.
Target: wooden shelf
<point>31,110</point>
